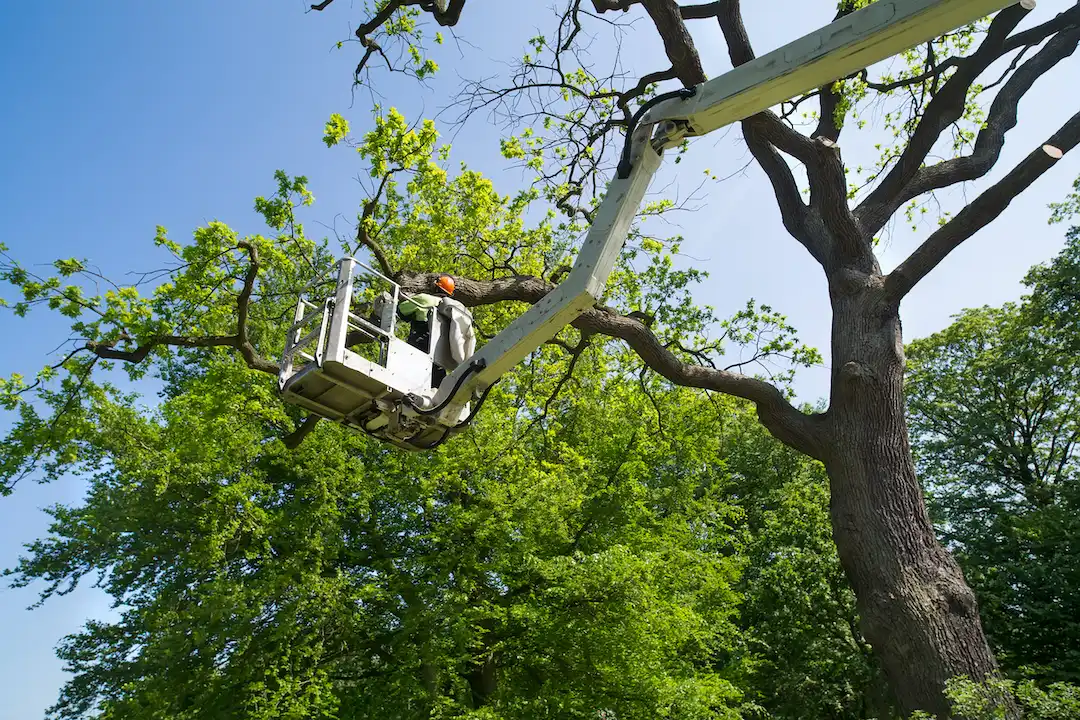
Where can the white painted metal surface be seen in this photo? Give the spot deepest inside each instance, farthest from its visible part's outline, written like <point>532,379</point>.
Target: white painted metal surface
<point>861,39</point>
<point>842,48</point>
<point>366,393</point>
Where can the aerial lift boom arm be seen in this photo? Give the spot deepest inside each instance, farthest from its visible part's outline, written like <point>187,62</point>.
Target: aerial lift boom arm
<point>851,43</point>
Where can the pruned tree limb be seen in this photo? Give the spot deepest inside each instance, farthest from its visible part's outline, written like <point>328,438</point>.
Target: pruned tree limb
<point>981,211</point>
<point>1002,117</point>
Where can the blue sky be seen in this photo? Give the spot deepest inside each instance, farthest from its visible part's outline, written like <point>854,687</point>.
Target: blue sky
<point>124,115</point>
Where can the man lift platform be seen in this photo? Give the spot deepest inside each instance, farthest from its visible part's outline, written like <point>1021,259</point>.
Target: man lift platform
<point>359,372</point>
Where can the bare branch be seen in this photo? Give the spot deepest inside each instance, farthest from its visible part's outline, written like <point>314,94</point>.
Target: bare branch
<point>1001,118</point>
<point>981,211</point>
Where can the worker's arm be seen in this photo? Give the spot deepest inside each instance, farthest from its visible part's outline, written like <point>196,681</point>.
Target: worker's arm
<point>417,307</point>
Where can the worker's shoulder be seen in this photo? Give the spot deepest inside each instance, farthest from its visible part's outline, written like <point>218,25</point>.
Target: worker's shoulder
<point>423,300</point>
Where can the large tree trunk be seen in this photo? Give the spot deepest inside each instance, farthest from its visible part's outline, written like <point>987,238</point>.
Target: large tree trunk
<point>916,610</point>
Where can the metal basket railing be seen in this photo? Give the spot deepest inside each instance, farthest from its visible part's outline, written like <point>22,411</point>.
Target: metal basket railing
<point>305,341</point>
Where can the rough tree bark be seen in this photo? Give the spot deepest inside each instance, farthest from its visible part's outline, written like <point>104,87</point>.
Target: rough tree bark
<point>916,609</point>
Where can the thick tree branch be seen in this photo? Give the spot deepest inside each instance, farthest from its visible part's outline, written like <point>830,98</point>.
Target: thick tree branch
<point>981,211</point>
<point>793,211</point>
<point>240,341</point>
<point>1001,118</point>
<point>297,436</point>
<point>729,15</point>
<point>828,199</point>
<point>946,107</point>
<point>784,137</point>
<point>700,12</point>
<point>1035,35</point>
<point>800,431</point>
<point>107,351</point>
<point>824,169</point>
<point>363,237</point>
<point>243,305</point>
<point>678,44</point>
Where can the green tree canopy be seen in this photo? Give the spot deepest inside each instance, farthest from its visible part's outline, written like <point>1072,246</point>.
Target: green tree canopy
<point>581,549</point>
<point>993,401</point>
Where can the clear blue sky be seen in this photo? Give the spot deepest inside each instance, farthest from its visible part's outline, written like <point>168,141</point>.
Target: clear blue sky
<point>119,116</point>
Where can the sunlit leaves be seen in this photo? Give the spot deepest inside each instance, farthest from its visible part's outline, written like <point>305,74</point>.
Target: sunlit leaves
<point>337,128</point>
<point>262,583</point>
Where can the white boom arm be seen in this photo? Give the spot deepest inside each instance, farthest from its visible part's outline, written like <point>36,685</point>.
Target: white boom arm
<point>854,42</point>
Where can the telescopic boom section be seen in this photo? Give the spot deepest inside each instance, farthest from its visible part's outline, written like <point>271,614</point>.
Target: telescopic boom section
<point>855,41</point>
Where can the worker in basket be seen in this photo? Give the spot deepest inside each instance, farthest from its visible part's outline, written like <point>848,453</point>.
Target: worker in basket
<point>417,309</point>
<point>461,338</point>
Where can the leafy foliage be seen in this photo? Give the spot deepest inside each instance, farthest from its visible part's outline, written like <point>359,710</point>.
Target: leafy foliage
<point>988,700</point>
<point>576,552</point>
<point>588,562</point>
<point>562,574</point>
<point>993,403</point>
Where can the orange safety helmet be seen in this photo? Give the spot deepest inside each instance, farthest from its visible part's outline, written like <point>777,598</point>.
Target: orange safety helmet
<point>446,283</point>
